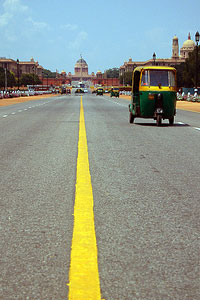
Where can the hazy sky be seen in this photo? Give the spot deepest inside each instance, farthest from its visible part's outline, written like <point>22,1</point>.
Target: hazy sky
<point>105,32</point>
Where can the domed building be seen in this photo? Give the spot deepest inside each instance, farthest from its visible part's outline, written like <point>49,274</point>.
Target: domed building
<point>176,59</point>
<point>81,68</point>
<point>188,46</point>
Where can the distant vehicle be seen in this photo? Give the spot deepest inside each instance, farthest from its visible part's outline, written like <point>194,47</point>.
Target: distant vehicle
<point>85,90</point>
<point>79,91</point>
<point>81,85</point>
<point>114,92</point>
<point>94,91</point>
<point>68,91</point>
<point>63,90</point>
<point>100,91</point>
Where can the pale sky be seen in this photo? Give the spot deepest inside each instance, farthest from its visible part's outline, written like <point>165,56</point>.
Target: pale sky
<point>106,32</point>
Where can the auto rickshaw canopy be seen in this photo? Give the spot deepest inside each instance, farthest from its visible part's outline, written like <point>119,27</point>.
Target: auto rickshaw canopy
<point>154,77</point>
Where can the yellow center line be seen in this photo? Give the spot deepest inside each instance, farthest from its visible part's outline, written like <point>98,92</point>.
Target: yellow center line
<point>83,276</point>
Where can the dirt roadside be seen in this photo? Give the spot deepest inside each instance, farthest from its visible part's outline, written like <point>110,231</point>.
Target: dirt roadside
<point>11,101</point>
<point>185,105</point>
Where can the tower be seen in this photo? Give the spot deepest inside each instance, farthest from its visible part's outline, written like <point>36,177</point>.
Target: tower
<point>175,47</point>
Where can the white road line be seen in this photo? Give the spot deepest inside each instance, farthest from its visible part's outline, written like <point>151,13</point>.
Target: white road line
<point>5,116</point>
<point>20,110</point>
<point>13,113</point>
<point>25,109</point>
<point>181,123</point>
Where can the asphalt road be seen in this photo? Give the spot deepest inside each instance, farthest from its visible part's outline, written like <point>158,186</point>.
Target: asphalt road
<point>146,188</point>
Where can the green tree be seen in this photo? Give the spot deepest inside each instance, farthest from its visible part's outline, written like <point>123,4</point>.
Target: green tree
<point>2,77</point>
<point>126,78</point>
<point>11,81</point>
<point>49,74</point>
<point>180,71</point>
<point>112,73</point>
<point>29,79</point>
<point>186,72</point>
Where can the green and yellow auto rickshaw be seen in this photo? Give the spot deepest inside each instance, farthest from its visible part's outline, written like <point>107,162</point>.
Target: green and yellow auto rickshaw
<point>100,91</point>
<point>153,94</point>
<point>114,92</point>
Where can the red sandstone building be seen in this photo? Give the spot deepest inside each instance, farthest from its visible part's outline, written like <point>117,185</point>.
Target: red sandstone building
<point>23,67</point>
<point>80,73</point>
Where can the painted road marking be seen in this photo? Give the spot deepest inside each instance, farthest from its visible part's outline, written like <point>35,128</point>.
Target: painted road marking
<point>197,128</point>
<point>5,116</point>
<point>84,281</point>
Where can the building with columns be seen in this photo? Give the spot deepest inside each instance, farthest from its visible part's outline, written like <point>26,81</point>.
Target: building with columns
<point>176,58</point>
<point>81,74</point>
<point>23,67</point>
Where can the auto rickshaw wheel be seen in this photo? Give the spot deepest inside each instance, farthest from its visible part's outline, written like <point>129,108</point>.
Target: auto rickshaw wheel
<point>131,118</point>
<point>171,121</point>
<point>159,120</point>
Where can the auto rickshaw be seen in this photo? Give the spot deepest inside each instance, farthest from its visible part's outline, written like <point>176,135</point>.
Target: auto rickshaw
<point>114,92</point>
<point>79,91</point>
<point>100,91</point>
<point>153,94</point>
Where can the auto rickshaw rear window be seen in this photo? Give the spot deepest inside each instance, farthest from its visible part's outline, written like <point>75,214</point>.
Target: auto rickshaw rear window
<point>158,78</point>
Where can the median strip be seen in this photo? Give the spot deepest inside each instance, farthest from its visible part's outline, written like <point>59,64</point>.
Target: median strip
<point>83,276</point>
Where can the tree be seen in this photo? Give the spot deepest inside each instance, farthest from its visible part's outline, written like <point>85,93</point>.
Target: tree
<point>186,72</point>
<point>49,74</point>
<point>11,81</point>
<point>2,77</point>
<point>126,78</point>
<point>29,79</point>
<point>112,73</point>
<point>180,71</point>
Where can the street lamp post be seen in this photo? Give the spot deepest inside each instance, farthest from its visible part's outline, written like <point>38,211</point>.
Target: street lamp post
<point>42,78</point>
<point>6,79</point>
<point>33,68</point>
<point>18,73</point>
<point>154,59</point>
<point>197,67</point>
<point>47,81</point>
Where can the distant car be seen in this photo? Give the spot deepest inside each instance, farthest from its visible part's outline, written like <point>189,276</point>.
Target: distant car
<point>79,91</point>
<point>85,90</point>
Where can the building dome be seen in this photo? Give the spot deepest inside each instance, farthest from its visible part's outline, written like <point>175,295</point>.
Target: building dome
<point>81,68</point>
<point>189,43</point>
<point>81,62</point>
<point>188,46</point>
